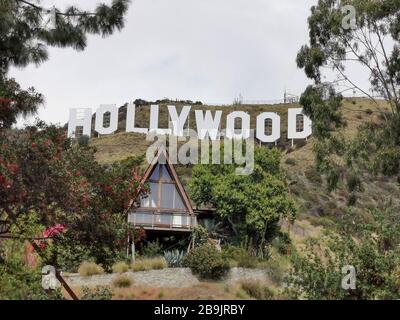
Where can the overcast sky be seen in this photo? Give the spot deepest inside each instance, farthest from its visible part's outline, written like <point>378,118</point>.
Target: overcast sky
<point>208,50</point>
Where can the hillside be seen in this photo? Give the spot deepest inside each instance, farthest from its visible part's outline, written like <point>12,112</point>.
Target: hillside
<point>317,207</point>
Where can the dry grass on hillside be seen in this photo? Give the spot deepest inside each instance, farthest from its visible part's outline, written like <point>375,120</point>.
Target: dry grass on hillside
<point>122,145</point>
<point>316,205</point>
<point>202,291</point>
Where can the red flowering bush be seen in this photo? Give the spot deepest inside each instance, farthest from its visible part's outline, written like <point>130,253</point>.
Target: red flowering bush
<point>42,170</point>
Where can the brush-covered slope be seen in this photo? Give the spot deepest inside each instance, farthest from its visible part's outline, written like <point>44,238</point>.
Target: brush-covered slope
<point>317,206</point>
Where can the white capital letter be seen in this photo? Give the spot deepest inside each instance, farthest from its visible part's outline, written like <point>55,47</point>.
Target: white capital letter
<point>230,125</point>
<point>74,121</point>
<point>207,124</point>
<point>178,122</point>
<point>154,122</point>
<point>113,110</point>
<point>292,132</point>
<point>276,127</point>
<point>130,120</point>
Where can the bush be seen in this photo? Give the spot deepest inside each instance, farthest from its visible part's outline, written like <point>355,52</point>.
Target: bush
<point>282,243</point>
<point>68,256</point>
<point>207,262</point>
<point>18,282</point>
<point>120,267</point>
<point>291,161</point>
<point>313,176</point>
<point>352,200</point>
<point>158,263</point>
<point>257,291</point>
<point>153,249</point>
<point>83,141</point>
<point>90,269</point>
<point>174,258</point>
<point>239,255</point>
<point>98,293</point>
<point>149,264</point>
<point>122,281</point>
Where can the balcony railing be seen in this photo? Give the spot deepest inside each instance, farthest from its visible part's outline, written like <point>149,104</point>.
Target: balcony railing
<point>172,221</point>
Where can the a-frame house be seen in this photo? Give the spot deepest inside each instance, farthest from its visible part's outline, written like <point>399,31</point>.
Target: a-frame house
<point>167,206</point>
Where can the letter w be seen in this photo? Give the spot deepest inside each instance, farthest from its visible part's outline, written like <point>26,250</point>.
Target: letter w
<point>207,124</point>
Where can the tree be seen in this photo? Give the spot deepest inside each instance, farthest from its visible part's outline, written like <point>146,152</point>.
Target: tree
<point>316,272</point>
<point>43,171</point>
<point>24,39</point>
<point>373,44</point>
<point>251,205</point>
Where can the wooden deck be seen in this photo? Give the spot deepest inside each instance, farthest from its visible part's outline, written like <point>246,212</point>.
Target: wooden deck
<point>163,221</point>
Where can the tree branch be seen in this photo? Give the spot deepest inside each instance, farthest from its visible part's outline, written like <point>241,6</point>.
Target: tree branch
<point>58,12</point>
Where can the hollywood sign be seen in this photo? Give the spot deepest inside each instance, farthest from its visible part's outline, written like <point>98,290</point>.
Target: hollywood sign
<point>208,124</point>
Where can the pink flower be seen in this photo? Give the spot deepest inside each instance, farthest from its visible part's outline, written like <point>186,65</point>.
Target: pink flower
<point>53,231</point>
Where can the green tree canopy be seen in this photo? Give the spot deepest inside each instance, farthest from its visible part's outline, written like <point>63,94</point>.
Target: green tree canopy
<point>251,204</point>
<point>372,43</point>
<point>371,248</point>
<point>25,38</point>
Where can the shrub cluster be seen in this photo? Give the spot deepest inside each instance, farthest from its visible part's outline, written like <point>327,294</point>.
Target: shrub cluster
<point>146,264</point>
<point>122,281</point>
<point>90,269</point>
<point>98,293</point>
<point>207,262</point>
<point>120,267</point>
<point>256,290</point>
<point>152,249</point>
<point>239,256</point>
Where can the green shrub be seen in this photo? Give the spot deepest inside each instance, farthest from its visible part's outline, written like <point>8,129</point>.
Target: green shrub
<point>207,262</point>
<point>158,263</point>
<point>146,264</point>
<point>313,176</point>
<point>282,243</point>
<point>83,141</point>
<point>239,255</point>
<point>98,293</point>
<point>352,200</point>
<point>122,281</point>
<point>90,269</point>
<point>353,182</point>
<point>18,282</point>
<point>199,235</point>
<point>247,261</point>
<point>152,249</point>
<point>68,256</point>
<point>256,290</point>
<point>120,267</point>
<point>291,161</point>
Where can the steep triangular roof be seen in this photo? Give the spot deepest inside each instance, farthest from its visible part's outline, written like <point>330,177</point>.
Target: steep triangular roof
<point>162,153</point>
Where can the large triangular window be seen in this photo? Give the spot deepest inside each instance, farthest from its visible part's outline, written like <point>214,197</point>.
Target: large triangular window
<point>163,193</point>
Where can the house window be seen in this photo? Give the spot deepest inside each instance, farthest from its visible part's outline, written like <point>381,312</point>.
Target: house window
<point>299,123</point>
<point>163,193</point>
